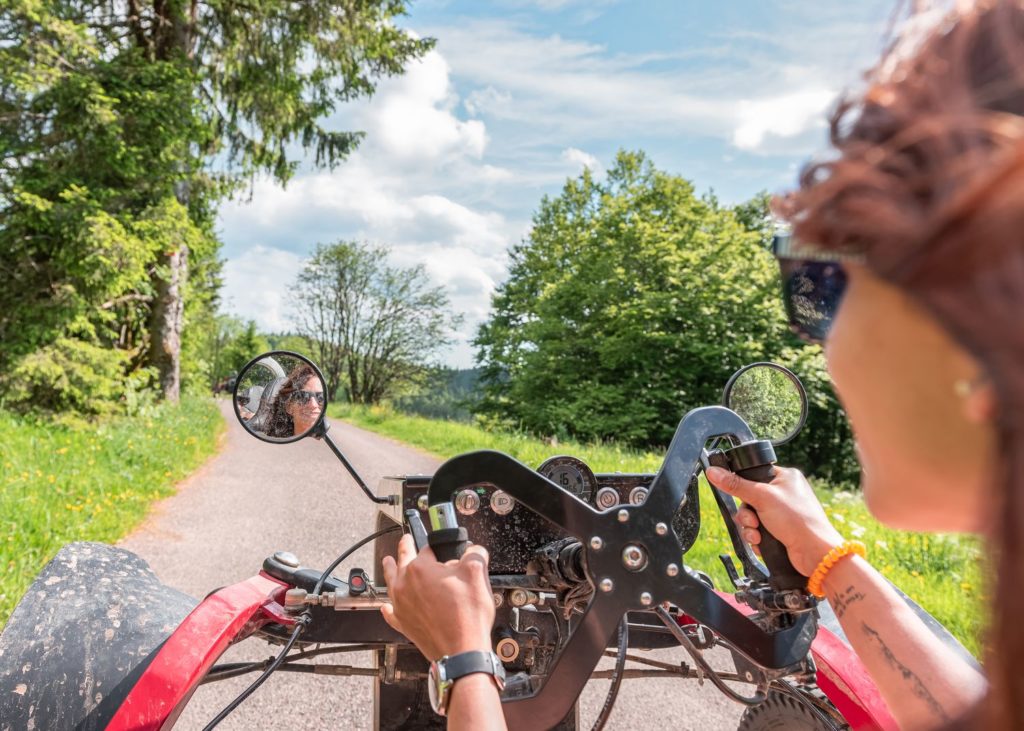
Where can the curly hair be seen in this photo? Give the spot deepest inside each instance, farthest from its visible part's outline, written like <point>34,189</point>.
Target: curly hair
<point>927,181</point>
<point>281,423</point>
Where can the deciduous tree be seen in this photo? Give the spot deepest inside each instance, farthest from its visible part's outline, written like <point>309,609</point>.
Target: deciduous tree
<point>375,327</point>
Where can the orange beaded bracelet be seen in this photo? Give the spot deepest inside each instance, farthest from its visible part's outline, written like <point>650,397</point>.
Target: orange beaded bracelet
<point>831,559</point>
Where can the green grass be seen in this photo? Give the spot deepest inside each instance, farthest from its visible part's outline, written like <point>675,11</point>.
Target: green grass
<point>89,482</point>
<point>942,573</point>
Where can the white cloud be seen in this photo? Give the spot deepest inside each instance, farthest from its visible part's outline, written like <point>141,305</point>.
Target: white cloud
<point>418,185</point>
<point>581,160</point>
<point>256,284</point>
<point>412,118</point>
<point>787,115</point>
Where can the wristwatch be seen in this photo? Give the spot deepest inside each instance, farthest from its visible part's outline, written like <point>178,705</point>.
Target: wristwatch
<point>444,673</point>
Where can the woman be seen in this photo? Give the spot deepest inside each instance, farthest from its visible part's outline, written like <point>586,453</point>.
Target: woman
<point>924,199</point>
<point>298,405</point>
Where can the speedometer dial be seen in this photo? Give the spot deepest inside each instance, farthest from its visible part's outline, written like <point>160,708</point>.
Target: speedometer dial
<point>571,474</point>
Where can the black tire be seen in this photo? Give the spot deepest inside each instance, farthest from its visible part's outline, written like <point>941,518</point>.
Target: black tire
<point>783,712</point>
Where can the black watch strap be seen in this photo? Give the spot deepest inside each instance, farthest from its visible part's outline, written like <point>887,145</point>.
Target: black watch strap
<point>467,663</point>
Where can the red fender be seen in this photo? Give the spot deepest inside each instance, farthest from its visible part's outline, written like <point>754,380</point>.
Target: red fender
<point>842,677</point>
<point>224,617</point>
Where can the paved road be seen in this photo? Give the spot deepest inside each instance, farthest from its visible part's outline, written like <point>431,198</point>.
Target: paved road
<point>256,498</point>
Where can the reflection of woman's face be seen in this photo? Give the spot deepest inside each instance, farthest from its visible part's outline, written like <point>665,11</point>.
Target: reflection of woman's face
<point>303,407</point>
<point>927,459</point>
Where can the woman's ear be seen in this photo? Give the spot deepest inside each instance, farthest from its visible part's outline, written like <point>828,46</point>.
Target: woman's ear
<point>979,404</point>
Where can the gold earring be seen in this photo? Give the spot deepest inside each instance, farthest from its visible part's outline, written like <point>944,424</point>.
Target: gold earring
<point>963,387</point>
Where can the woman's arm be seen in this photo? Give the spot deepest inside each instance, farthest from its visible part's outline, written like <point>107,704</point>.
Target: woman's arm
<point>447,609</point>
<point>924,683</point>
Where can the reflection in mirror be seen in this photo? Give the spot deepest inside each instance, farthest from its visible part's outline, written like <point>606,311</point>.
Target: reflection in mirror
<point>770,399</point>
<point>280,397</point>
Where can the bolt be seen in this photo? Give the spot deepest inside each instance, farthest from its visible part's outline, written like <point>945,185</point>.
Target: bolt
<point>623,515</point>
<point>521,597</point>
<point>661,529</point>
<point>508,649</point>
<point>672,569</point>
<point>423,502</point>
<point>749,676</point>
<point>646,599</point>
<point>606,585</point>
<point>634,558</point>
<point>596,543</point>
<point>499,599</point>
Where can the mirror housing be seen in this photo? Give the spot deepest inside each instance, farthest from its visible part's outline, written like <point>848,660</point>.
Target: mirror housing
<point>770,398</point>
<point>280,397</point>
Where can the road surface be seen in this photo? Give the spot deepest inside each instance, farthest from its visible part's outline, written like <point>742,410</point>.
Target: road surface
<point>255,498</point>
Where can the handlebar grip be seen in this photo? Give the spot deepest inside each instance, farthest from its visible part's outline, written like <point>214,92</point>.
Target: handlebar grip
<point>783,575</point>
<point>448,544</point>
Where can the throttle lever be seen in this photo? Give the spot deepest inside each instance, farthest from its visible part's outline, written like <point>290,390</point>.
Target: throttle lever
<point>447,538</point>
<point>419,533</point>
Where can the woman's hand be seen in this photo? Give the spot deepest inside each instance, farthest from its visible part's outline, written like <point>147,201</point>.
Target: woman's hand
<point>444,608</point>
<point>788,508</point>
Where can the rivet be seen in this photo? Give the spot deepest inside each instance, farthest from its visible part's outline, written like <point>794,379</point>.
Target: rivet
<point>661,529</point>
<point>646,599</point>
<point>672,569</point>
<point>596,543</point>
<point>606,585</point>
<point>623,515</point>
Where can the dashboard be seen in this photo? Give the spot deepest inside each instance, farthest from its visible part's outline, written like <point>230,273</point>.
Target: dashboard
<point>512,533</point>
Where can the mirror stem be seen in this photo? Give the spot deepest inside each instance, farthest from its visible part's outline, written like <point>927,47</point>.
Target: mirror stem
<point>320,432</point>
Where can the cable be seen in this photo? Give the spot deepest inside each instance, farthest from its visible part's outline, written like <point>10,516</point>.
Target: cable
<point>304,620</point>
<point>620,663</point>
<point>352,549</point>
<point>759,696</point>
<point>299,627</point>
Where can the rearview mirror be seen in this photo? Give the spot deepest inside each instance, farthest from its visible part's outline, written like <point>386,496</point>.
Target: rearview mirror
<point>770,398</point>
<point>280,397</point>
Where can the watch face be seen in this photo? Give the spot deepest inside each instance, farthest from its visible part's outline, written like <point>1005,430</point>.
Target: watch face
<point>432,686</point>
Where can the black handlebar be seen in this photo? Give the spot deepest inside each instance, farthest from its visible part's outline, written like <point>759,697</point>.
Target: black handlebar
<point>782,575</point>
<point>448,544</point>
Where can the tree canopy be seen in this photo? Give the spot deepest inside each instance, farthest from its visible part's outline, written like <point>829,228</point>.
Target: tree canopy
<point>375,328</point>
<point>123,124</point>
<point>631,301</point>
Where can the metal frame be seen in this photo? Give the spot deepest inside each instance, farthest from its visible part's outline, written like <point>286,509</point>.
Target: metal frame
<point>618,589</point>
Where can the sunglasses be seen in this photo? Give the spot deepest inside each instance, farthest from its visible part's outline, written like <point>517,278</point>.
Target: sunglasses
<point>813,284</point>
<point>302,397</point>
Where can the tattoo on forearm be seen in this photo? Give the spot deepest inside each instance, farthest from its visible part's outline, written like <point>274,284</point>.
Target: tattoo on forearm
<point>917,686</point>
<point>842,600</point>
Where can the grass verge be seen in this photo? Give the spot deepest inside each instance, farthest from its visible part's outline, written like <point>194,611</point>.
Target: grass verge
<point>941,573</point>
<point>61,483</point>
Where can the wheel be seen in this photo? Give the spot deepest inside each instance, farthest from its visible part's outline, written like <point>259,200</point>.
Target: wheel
<point>783,712</point>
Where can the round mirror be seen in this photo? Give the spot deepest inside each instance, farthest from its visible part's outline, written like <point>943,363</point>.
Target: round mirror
<point>280,396</point>
<point>770,399</point>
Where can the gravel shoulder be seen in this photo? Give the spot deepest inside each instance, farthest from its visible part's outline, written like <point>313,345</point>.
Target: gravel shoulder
<point>255,498</point>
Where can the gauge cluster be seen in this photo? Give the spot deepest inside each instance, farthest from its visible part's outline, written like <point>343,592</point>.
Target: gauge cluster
<point>512,532</point>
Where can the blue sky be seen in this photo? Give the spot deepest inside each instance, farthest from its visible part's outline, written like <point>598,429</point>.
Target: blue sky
<point>521,94</point>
